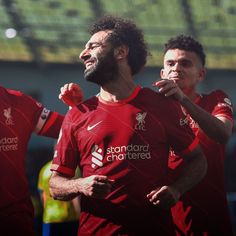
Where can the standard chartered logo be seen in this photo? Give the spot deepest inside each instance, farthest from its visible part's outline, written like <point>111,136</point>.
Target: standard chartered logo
<point>97,157</point>
<point>119,153</point>
<point>136,152</point>
<point>8,144</point>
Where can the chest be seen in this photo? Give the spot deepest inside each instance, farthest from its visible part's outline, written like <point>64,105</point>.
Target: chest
<point>121,126</point>
<point>124,138</point>
<point>15,125</point>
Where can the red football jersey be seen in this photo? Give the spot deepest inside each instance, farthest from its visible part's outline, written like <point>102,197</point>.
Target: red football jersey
<point>20,116</point>
<point>203,210</point>
<point>129,142</point>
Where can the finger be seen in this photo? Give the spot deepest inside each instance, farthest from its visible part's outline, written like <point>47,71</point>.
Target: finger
<point>161,82</point>
<point>62,89</point>
<point>101,189</point>
<point>167,87</point>
<point>151,194</point>
<point>157,202</point>
<point>66,86</point>
<point>171,92</point>
<point>102,178</point>
<point>73,86</point>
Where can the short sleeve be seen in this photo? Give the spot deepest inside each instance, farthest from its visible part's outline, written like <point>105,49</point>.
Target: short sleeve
<point>223,105</point>
<point>65,158</point>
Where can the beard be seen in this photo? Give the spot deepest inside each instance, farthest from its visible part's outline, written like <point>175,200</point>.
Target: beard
<point>104,70</point>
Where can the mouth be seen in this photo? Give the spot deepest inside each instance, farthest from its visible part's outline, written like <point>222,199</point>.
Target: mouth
<point>175,76</point>
<point>89,63</point>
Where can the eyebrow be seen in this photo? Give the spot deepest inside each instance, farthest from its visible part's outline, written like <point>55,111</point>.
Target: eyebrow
<point>92,43</point>
<point>180,60</point>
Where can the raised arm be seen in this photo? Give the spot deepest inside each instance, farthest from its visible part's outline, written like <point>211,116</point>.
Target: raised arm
<point>218,128</point>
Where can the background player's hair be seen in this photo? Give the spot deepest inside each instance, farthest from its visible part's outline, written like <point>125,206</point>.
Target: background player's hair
<point>124,31</point>
<point>187,43</point>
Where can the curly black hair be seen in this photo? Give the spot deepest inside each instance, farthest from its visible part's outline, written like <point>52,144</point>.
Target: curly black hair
<point>124,31</point>
<point>187,43</point>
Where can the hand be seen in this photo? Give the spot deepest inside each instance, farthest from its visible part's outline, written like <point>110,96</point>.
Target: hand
<point>96,186</point>
<point>71,94</point>
<point>169,88</point>
<point>165,196</point>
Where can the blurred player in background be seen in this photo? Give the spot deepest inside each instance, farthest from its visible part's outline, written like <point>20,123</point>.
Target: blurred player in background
<point>60,218</point>
<point>203,210</point>
<point>20,116</point>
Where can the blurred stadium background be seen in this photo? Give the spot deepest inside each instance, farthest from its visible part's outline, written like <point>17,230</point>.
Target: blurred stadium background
<point>40,42</point>
<point>48,31</point>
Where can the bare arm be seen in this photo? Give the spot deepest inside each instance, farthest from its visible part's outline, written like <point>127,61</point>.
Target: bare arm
<point>217,128</point>
<point>64,188</point>
<point>195,170</point>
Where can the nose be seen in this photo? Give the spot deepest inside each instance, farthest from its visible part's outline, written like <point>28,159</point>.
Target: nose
<point>177,66</point>
<point>84,55</point>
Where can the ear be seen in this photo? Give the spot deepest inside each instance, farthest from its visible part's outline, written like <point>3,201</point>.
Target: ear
<point>121,52</point>
<point>202,74</point>
<point>162,74</point>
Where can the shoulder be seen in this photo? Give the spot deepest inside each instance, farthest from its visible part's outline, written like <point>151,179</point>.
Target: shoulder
<point>83,108</point>
<point>217,102</point>
<point>20,99</point>
<point>219,96</point>
<point>152,95</point>
<point>11,92</point>
<point>157,103</point>
<point>158,98</point>
<point>20,95</point>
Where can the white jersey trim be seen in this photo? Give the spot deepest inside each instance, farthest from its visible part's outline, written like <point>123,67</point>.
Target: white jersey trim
<point>42,120</point>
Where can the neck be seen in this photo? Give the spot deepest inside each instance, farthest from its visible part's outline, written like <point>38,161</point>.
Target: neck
<point>116,91</point>
<point>192,96</point>
<point>191,93</point>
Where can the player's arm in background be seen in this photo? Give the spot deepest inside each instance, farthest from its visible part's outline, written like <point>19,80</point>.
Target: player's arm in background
<point>218,127</point>
<point>184,143</point>
<point>49,122</point>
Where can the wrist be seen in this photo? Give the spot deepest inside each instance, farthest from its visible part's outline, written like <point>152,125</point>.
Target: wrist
<point>175,193</point>
<point>184,100</point>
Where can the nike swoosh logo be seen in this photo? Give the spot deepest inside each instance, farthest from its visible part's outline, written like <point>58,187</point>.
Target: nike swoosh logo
<point>93,126</point>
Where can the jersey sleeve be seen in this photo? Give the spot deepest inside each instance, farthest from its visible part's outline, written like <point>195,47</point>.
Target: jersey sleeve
<point>43,121</point>
<point>223,106</point>
<point>180,136</point>
<point>65,160</point>
<point>49,124</point>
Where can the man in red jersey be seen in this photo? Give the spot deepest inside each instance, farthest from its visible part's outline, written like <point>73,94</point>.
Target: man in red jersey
<point>120,139</point>
<point>20,117</point>
<point>203,210</point>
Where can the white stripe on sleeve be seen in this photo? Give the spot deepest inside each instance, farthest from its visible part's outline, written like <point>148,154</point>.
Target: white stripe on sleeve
<point>42,119</point>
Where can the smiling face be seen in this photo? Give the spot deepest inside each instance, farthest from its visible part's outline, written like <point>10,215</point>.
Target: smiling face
<point>98,57</point>
<point>184,67</point>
